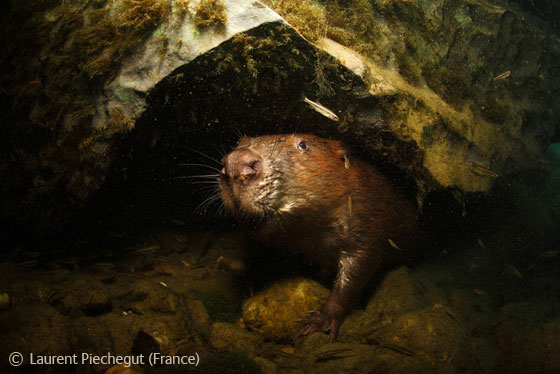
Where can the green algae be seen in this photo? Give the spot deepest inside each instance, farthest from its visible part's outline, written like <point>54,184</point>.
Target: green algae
<point>210,13</point>
<point>267,60</point>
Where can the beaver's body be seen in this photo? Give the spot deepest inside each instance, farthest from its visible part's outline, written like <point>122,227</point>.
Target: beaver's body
<point>304,193</point>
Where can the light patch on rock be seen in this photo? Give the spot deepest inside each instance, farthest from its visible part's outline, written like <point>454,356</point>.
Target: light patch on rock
<point>175,43</point>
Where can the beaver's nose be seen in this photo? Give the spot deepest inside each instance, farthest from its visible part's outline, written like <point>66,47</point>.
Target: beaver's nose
<point>241,165</point>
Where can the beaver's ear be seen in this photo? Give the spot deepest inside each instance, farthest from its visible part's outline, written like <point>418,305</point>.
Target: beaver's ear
<point>340,152</point>
<point>344,155</point>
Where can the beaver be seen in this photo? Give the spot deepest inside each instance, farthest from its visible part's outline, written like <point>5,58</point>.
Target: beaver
<point>305,193</point>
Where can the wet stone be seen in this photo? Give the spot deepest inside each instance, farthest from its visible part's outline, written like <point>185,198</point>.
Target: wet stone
<point>144,344</point>
<point>477,311</point>
<point>232,338</point>
<point>150,295</point>
<point>29,329</point>
<point>534,350</point>
<point>266,366</point>
<point>339,357</point>
<point>431,333</point>
<point>5,301</point>
<point>200,319</point>
<point>401,292</point>
<point>88,296</point>
<point>86,333</point>
<point>274,312</point>
<point>360,327</point>
<point>311,342</point>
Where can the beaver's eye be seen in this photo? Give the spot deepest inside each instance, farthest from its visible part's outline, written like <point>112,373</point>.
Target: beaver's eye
<point>302,146</point>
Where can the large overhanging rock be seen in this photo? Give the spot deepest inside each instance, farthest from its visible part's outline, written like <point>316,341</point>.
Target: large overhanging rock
<point>174,44</point>
<point>196,74</point>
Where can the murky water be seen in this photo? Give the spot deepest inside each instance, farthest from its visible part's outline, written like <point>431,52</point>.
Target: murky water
<point>117,248</point>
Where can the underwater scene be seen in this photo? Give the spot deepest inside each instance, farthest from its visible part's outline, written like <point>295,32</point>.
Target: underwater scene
<point>280,186</point>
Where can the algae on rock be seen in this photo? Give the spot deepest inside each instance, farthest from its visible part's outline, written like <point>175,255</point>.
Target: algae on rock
<point>210,13</point>
<point>73,94</point>
<point>273,312</point>
<point>440,59</point>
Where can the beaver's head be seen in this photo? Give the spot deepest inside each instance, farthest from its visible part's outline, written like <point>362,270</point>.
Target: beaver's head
<point>279,174</point>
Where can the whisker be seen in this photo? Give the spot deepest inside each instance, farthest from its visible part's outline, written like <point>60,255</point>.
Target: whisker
<point>238,132</point>
<point>295,129</point>
<point>205,155</point>
<point>210,203</point>
<point>196,181</point>
<point>220,210</point>
<point>219,150</point>
<point>205,182</point>
<point>201,165</point>
<point>207,202</point>
<point>207,189</point>
<point>214,176</point>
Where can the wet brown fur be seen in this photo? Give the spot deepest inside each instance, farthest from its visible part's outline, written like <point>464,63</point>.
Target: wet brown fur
<point>335,209</point>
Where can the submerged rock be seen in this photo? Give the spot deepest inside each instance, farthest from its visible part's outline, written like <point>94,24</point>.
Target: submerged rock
<point>231,338</point>
<point>144,344</point>
<point>84,295</point>
<point>5,301</point>
<point>429,333</point>
<point>30,329</point>
<point>471,80</point>
<point>531,349</point>
<point>400,292</point>
<point>266,366</point>
<point>274,312</point>
<point>200,318</point>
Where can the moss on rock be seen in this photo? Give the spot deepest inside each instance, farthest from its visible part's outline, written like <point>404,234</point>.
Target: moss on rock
<point>210,13</point>
<point>273,312</point>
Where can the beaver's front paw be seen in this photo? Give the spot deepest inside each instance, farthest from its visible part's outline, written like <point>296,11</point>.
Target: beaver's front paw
<point>328,318</point>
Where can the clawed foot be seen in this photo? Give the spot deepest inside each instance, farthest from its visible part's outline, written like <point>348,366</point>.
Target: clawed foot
<point>328,319</point>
